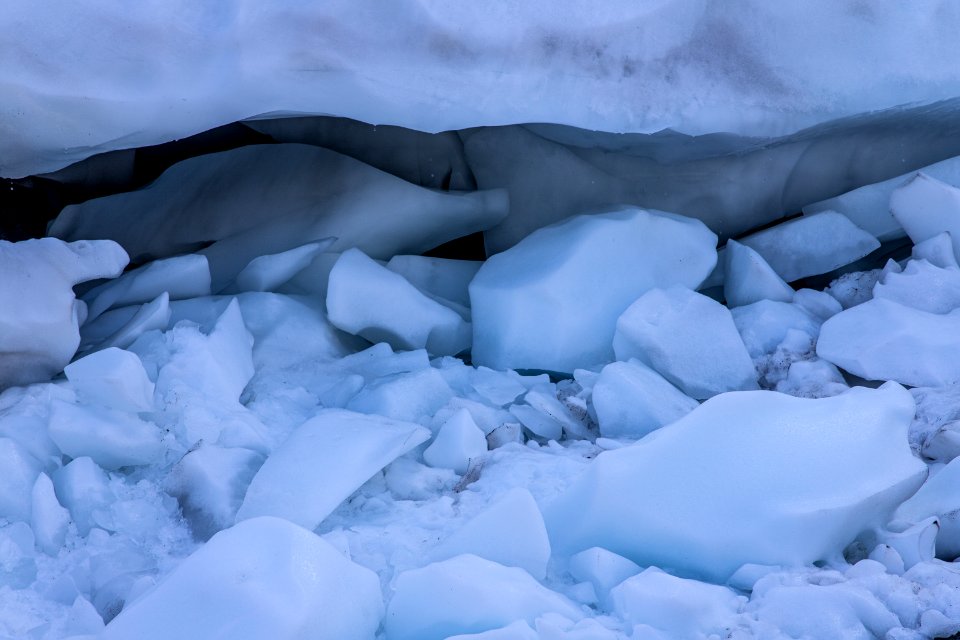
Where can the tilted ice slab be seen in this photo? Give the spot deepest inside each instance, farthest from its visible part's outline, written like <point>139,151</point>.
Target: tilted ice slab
<point>323,461</point>
<point>231,199</point>
<point>263,578</point>
<point>926,207</point>
<point>688,65</point>
<point>748,278</point>
<point>748,477</point>
<point>883,340</point>
<point>39,314</point>
<point>552,301</point>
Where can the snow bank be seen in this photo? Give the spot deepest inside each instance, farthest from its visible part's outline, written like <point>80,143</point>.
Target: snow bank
<point>749,477</point>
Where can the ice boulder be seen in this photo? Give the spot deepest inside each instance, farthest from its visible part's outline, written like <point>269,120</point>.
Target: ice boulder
<point>884,340</point>
<point>48,518</point>
<point>689,339</point>
<point>551,302</point>
<point>441,277</point>
<point>748,477</point>
<point>112,378</point>
<point>926,207</point>
<point>811,245</point>
<point>263,579</point>
<point>84,489</point>
<point>458,442</point>
<point>765,324</point>
<point>467,594</point>
<point>748,278</point>
<point>39,314</point>
<point>112,439</point>
<point>411,396</point>
<point>510,531</point>
<point>369,300</point>
<point>922,286</point>
<point>678,607</point>
<point>323,461</point>
<point>631,400</point>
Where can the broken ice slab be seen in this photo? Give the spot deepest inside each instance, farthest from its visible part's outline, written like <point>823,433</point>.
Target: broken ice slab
<point>926,207</point>
<point>883,340</point>
<point>269,272</point>
<point>552,301</point>
<point>112,378</point>
<point>441,277</point>
<point>748,477</point>
<point>323,461</point>
<point>811,245</point>
<point>748,278</point>
<point>922,286</point>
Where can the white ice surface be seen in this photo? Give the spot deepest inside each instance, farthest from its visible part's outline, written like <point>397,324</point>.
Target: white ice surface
<point>748,278</point>
<point>112,378</point>
<point>631,400</point>
<point>926,207</point>
<point>113,439</point>
<point>922,286</point>
<point>538,305</point>
<point>441,277</point>
<point>458,442</point>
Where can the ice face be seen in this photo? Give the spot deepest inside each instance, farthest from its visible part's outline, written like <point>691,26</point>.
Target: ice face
<point>552,301</point>
<point>749,477</point>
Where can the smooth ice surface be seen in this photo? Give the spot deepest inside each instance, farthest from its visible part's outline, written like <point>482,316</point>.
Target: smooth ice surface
<point>748,278</point>
<point>263,579</point>
<point>926,207</point>
<point>369,300</point>
<point>441,277</point>
<point>937,497</point>
<point>113,439</point>
<point>323,461</point>
<point>112,378</point>
<point>749,477</point>
<point>811,245</point>
<point>39,315</point>
<point>884,340</point>
<point>922,286</point>
<point>267,273</point>
<point>458,442</point>
<point>539,305</point>
<point>631,400</point>
<point>689,339</point>
<point>510,532</point>
<point>681,64</point>
<point>229,198</point>
<point>467,594</point>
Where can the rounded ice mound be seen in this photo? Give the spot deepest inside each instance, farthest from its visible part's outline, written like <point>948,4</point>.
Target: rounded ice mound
<point>551,302</point>
<point>265,578</point>
<point>39,315</point>
<point>748,477</point>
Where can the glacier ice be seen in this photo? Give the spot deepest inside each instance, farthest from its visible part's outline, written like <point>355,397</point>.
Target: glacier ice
<point>458,442</point>
<point>689,339</point>
<point>538,305</point>
<point>631,400</point>
<point>269,272</point>
<point>922,286</point>
<point>748,278</point>
<point>441,277</point>
<point>263,578</point>
<point>603,569</point>
<point>112,378</point>
<point>112,439</point>
<point>937,250</point>
<point>748,477</point>
<point>48,518</point>
<point>20,471</point>
<point>926,207</point>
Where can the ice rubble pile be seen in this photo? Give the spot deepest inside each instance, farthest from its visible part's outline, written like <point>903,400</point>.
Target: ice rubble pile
<point>285,444</point>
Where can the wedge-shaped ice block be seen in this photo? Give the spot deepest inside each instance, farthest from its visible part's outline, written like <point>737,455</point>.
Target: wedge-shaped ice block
<point>263,578</point>
<point>689,339</point>
<point>883,340</point>
<point>323,461</point>
<point>748,278</point>
<point>552,301</point>
<point>749,477</point>
<point>180,277</point>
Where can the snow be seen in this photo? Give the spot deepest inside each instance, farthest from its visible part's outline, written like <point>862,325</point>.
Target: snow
<point>748,278</point>
<point>537,305</point>
<point>668,500</point>
<point>689,339</point>
<point>631,400</point>
<point>39,315</point>
<point>265,577</point>
<point>369,300</point>
<point>926,207</point>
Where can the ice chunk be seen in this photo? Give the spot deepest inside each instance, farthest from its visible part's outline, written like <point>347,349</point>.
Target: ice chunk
<point>818,303</point>
<point>112,378</point>
<point>112,439</point>
<point>83,488</point>
<point>510,531</point>
<point>539,423</point>
<point>269,272</point>
<point>209,482</point>
<point>883,340</point>
<point>180,277</point>
<point>153,315</point>
<point>748,278</point>
<point>230,198</point>
<point>323,461</point>
<point>689,339</point>
<point>538,306</point>
<point>938,497</point>
<point>680,608</point>
<point>603,569</point>
<point>39,315</point>
<point>366,299</point>
<point>922,286</point>
<point>458,442</point>
<point>467,594</point>
<point>48,518</point>
<point>926,207</point>
<point>18,569</point>
<point>749,477</point>
<point>20,471</point>
<point>264,578</point>
<point>631,400</point>
<point>764,325</point>
<point>442,277</point>
<point>811,245</point>
<point>937,250</point>
<point>410,396</point>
